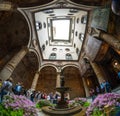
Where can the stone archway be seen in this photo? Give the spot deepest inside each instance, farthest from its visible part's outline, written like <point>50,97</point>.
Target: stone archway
<point>14,34</point>
<point>25,70</point>
<point>74,81</point>
<point>47,79</point>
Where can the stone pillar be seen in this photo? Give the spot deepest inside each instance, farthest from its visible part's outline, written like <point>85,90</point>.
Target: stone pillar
<point>6,6</point>
<point>108,38</point>
<point>111,40</point>
<point>98,72</point>
<point>85,87</point>
<point>35,80</point>
<point>58,79</point>
<point>11,65</point>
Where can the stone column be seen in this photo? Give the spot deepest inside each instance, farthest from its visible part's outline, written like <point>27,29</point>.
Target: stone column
<point>58,79</point>
<point>35,80</point>
<point>98,72</point>
<point>111,40</point>
<point>6,6</point>
<point>85,87</point>
<point>108,38</point>
<point>11,65</point>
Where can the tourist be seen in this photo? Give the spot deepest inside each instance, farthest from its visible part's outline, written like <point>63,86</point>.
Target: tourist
<point>119,75</point>
<point>97,90</point>
<point>51,97</point>
<point>102,86</point>
<point>92,93</point>
<point>107,87</point>
<point>18,88</point>
<point>0,89</point>
<point>32,96</point>
<point>6,88</point>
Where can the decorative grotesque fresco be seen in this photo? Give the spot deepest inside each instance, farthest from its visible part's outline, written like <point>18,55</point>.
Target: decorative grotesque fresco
<point>100,18</point>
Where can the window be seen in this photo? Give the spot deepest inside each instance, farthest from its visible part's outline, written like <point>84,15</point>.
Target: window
<point>43,47</point>
<point>67,49</point>
<point>77,50</point>
<point>84,19</point>
<point>52,56</point>
<point>77,20</point>
<point>38,25</point>
<point>54,49</point>
<point>76,33</point>
<point>44,25</point>
<point>60,29</point>
<point>74,45</point>
<point>68,56</point>
<point>46,42</point>
<point>81,36</point>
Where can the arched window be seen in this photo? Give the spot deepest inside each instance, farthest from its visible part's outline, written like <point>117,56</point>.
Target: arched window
<point>68,56</point>
<point>81,36</point>
<point>43,47</point>
<point>84,19</point>
<point>38,25</point>
<point>52,56</point>
<point>77,50</point>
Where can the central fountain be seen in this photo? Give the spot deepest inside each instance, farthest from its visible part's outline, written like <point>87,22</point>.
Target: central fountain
<point>62,104</point>
<point>61,108</point>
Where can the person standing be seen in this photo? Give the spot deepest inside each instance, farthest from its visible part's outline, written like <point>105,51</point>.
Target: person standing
<point>119,75</point>
<point>102,86</point>
<point>0,89</point>
<point>97,90</point>
<point>18,88</point>
<point>107,87</point>
<point>6,88</point>
<point>92,93</point>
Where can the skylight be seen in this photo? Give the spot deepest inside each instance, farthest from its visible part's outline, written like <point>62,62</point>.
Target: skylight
<point>61,29</point>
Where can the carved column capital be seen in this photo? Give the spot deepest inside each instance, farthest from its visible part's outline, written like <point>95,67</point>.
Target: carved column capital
<point>94,32</point>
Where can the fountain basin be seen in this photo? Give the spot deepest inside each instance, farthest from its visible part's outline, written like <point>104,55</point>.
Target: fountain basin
<point>61,112</point>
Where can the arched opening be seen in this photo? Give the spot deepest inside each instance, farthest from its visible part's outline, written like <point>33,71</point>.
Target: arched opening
<point>25,70</point>
<point>47,79</point>
<point>74,81</point>
<point>14,34</point>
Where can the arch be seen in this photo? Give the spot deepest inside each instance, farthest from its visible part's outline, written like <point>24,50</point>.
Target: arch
<point>36,53</point>
<point>73,80</point>
<point>31,35</point>
<point>45,65</point>
<point>72,65</point>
